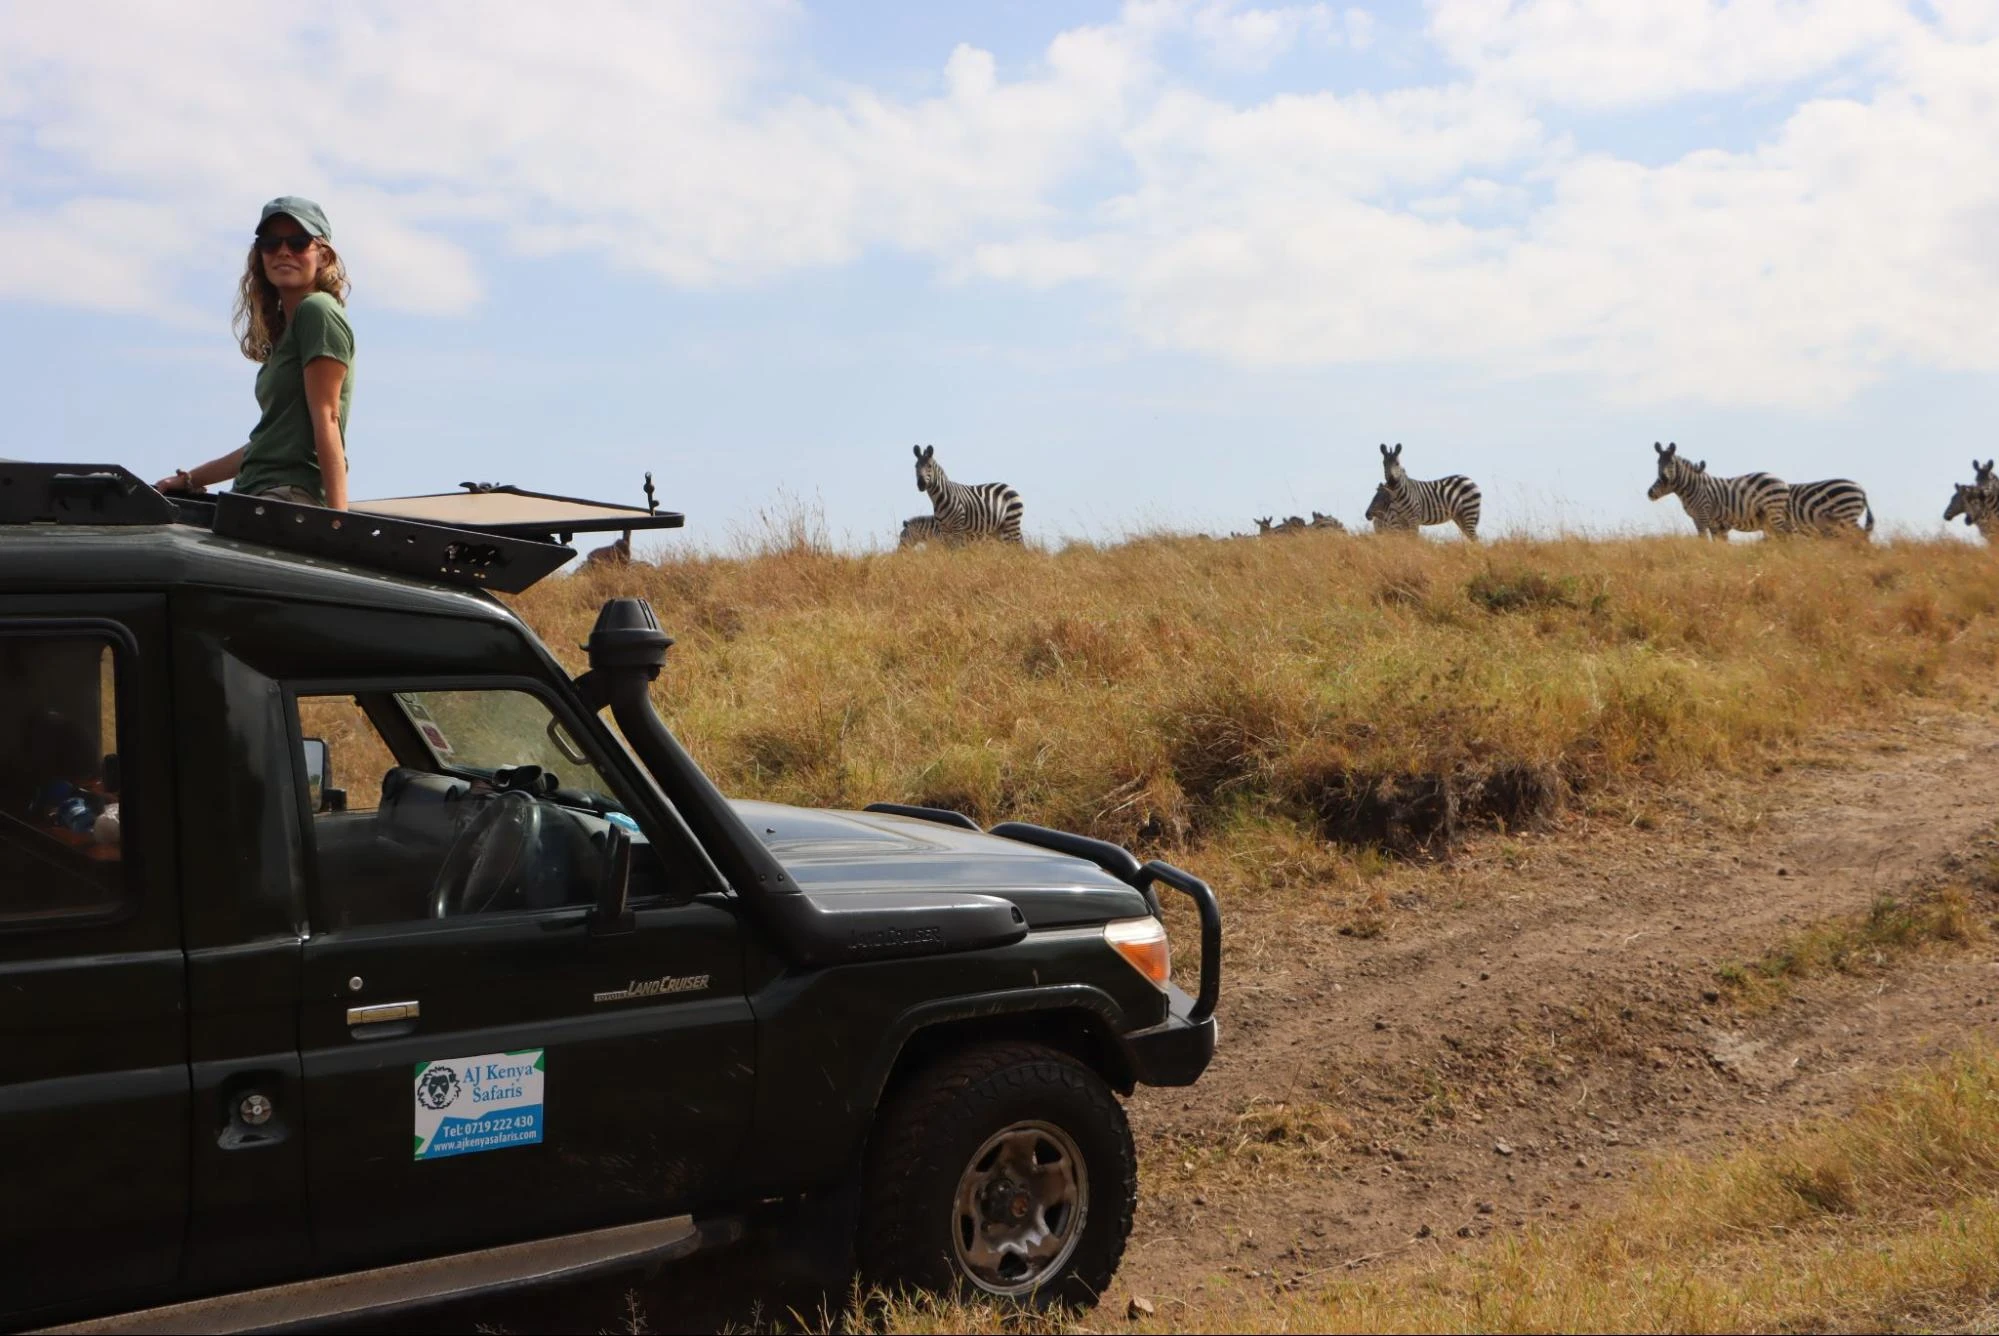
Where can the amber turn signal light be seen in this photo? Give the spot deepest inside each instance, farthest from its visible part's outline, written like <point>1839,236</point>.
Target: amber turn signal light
<point>1142,942</point>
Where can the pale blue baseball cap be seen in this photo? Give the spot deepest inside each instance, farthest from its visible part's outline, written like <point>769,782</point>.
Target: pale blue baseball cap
<point>301,211</point>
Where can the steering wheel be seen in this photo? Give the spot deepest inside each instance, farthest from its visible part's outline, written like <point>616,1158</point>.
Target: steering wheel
<point>487,859</point>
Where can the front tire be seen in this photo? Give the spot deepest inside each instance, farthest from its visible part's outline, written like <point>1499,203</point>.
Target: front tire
<point>1004,1172</point>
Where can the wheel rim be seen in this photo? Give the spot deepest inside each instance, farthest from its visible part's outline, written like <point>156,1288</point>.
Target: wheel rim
<point>1019,1209</point>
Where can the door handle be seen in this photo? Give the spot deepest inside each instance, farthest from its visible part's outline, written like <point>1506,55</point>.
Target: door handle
<point>381,1012</point>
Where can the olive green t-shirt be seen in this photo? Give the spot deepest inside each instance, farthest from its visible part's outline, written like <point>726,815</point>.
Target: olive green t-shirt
<point>281,452</point>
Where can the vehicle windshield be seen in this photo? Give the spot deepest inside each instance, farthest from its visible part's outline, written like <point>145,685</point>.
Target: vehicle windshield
<point>485,731</point>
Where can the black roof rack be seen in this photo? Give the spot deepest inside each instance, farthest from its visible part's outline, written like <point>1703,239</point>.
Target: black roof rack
<point>509,548</point>
<point>78,494</point>
<point>473,558</point>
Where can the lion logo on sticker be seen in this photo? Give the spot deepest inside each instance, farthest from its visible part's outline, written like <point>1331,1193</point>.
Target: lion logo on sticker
<point>437,1088</point>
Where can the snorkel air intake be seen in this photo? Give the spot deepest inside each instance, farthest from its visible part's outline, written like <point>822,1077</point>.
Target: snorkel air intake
<point>627,650</point>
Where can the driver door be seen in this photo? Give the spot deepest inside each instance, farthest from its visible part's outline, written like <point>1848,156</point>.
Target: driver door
<point>486,1069</point>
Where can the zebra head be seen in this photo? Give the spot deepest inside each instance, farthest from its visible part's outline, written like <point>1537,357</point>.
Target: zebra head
<point>929,473</point>
<point>1984,475</point>
<point>1391,465</point>
<point>1264,525</point>
<point>1971,501</point>
<point>1379,509</point>
<point>1674,471</point>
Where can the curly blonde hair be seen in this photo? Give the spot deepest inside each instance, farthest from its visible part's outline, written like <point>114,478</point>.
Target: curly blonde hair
<point>259,320</point>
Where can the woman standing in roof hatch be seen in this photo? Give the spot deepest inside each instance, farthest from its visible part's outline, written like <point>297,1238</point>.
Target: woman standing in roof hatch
<point>291,318</point>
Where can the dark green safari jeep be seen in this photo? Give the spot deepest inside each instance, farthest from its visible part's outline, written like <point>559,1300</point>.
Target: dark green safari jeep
<point>354,956</point>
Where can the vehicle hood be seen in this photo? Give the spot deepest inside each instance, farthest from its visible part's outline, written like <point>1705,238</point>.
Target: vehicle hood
<point>831,853</point>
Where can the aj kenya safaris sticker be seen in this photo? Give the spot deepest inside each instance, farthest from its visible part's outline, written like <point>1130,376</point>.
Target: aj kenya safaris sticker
<point>485,1102</point>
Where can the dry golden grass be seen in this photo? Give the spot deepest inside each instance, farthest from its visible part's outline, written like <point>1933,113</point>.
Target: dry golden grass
<point>1166,691</point>
<point>1887,1218</point>
<point>1239,701</point>
<point>1860,944</point>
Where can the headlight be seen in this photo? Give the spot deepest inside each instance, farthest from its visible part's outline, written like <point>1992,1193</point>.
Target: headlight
<point>1142,942</point>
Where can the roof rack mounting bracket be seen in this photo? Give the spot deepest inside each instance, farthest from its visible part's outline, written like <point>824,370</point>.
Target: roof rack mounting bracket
<point>477,559</point>
<point>78,494</point>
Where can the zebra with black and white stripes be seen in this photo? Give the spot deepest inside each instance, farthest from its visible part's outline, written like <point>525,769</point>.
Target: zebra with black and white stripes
<point>920,529</point>
<point>1415,502</point>
<point>1829,509</point>
<point>1978,502</point>
<point>1980,510</point>
<point>1750,502</point>
<point>1381,513</point>
<point>975,510</point>
<point>1985,483</point>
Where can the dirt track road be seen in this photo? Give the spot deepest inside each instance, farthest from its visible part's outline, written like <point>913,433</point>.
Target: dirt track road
<point>1539,1016</point>
<point>1561,1002</point>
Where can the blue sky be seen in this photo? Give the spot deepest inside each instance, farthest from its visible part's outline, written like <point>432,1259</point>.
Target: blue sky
<point>1166,264</point>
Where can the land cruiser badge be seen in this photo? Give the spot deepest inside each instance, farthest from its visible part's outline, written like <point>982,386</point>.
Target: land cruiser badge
<point>485,1102</point>
<point>660,987</point>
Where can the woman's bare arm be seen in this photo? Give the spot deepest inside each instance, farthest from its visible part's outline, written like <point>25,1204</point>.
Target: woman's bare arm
<point>219,469</point>
<point>323,379</point>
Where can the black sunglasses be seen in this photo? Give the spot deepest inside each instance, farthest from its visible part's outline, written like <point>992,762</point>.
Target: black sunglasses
<point>296,245</point>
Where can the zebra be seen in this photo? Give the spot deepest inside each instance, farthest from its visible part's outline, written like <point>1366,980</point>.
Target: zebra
<point>1449,500</point>
<point>1832,508</point>
<point>611,554</point>
<point>1381,513</point>
<point>978,510</point>
<point>1979,509</point>
<point>1326,522</point>
<point>1266,526</point>
<point>1984,482</point>
<point>1978,501</point>
<point>920,529</point>
<point>1749,502</point>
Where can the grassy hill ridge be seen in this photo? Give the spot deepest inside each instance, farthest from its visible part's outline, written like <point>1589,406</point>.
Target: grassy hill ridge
<point>1377,691</point>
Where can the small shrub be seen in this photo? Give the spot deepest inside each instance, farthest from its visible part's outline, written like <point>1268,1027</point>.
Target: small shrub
<point>1517,591</point>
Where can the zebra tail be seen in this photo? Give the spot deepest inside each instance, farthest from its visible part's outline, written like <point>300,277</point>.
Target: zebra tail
<point>1869,526</point>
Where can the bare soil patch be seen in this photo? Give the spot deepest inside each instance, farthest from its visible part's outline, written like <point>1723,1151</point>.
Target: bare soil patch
<point>1543,1013</point>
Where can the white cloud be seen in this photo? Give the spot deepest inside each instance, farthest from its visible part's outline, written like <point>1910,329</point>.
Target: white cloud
<point>1250,39</point>
<point>1609,53</point>
<point>93,252</point>
<point>1855,241</point>
<point>1436,222</point>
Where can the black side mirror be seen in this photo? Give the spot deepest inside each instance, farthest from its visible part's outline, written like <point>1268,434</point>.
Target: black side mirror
<point>613,913</point>
<point>317,756</point>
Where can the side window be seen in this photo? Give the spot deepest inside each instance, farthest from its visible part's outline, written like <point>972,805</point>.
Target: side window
<point>436,804</point>
<point>61,850</point>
